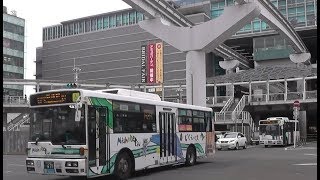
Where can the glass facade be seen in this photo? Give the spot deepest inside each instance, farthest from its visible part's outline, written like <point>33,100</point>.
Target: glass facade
<point>13,52</point>
<point>300,13</point>
<point>91,24</point>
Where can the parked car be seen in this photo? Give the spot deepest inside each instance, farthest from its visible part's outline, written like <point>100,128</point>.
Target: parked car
<point>232,140</point>
<point>220,134</point>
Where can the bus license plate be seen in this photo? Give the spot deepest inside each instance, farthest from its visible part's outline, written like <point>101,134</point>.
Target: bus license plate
<point>49,171</point>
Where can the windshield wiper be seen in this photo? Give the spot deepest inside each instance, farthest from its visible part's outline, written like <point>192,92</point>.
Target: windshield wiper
<point>36,143</point>
<point>63,146</point>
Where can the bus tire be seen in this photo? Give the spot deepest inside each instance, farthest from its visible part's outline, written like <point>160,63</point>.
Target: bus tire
<point>266,146</point>
<point>191,157</point>
<point>123,166</point>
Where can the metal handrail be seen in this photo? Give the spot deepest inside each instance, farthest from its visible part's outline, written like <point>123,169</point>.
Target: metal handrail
<point>14,100</point>
<point>18,124</point>
<point>227,105</point>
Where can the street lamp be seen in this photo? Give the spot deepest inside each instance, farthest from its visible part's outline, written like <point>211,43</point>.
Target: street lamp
<point>179,91</point>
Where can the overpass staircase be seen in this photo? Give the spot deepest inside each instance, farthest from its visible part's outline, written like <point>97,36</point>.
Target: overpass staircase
<point>232,114</point>
<point>18,122</point>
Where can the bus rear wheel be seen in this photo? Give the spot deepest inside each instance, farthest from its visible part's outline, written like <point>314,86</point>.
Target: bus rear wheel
<point>123,166</point>
<point>191,156</point>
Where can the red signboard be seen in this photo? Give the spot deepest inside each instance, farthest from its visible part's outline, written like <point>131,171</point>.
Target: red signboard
<point>151,63</point>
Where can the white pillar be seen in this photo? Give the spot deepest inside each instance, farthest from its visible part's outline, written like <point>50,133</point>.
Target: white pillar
<point>250,93</point>
<point>215,94</point>
<point>268,89</point>
<point>285,90</point>
<point>304,88</point>
<point>196,78</point>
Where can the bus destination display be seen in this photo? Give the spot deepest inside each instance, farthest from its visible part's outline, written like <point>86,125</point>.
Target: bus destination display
<point>54,98</point>
<point>269,122</point>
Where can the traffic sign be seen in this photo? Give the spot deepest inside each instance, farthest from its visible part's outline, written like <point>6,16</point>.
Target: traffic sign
<point>296,103</point>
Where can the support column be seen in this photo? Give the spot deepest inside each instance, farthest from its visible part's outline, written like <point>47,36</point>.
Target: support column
<point>196,78</point>
<point>303,124</point>
<point>215,94</point>
<point>250,93</point>
<point>304,88</point>
<point>268,91</point>
<point>285,90</point>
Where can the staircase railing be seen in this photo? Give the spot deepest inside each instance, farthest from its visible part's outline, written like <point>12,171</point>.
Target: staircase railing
<point>227,105</point>
<point>238,109</point>
<point>17,125</point>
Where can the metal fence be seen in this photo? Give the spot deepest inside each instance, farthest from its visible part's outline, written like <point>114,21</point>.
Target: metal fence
<point>15,142</point>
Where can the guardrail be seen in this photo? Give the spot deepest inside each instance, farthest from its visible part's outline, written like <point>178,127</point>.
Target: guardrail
<point>311,94</point>
<point>227,105</point>
<point>14,100</point>
<point>241,104</point>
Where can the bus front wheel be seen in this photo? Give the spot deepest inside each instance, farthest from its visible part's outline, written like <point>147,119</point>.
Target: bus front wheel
<point>123,166</point>
<point>191,156</point>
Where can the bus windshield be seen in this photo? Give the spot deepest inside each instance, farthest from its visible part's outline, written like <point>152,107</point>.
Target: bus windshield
<point>57,124</point>
<point>270,130</point>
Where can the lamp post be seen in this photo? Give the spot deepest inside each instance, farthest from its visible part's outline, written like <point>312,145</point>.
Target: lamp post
<point>75,70</point>
<point>179,91</point>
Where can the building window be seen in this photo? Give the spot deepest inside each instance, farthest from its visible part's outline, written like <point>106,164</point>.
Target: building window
<point>112,21</point>
<point>94,24</point>
<point>105,22</point>
<point>81,24</point>
<point>100,23</point>
<point>12,60</point>
<point>88,25</point>
<point>13,28</point>
<point>12,44</point>
<point>119,22</point>
<point>125,19</point>
<point>139,16</point>
<point>132,17</point>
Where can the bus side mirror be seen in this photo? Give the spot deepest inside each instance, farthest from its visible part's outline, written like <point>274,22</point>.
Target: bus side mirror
<point>77,115</point>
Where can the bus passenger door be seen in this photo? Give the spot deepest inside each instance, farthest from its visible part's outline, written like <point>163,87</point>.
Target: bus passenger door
<point>168,144</point>
<point>98,137</point>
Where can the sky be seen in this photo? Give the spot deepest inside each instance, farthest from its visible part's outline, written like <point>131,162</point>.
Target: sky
<point>42,13</point>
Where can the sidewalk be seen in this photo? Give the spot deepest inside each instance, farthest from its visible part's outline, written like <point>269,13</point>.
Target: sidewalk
<point>308,145</point>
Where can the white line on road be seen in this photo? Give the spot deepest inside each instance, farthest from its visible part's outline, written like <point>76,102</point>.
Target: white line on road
<point>15,165</point>
<point>291,148</point>
<point>310,154</point>
<point>306,164</point>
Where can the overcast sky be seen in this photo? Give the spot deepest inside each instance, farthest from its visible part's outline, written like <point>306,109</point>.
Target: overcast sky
<point>41,13</point>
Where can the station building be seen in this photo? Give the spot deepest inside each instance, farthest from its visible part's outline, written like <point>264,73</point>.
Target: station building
<point>107,48</point>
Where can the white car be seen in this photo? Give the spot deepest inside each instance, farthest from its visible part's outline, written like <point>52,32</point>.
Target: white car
<point>232,140</point>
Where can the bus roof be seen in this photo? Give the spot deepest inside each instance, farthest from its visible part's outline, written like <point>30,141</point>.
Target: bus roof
<point>130,97</point>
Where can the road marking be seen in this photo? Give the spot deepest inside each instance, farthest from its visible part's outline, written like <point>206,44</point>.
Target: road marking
<point>15,165</point>
<point>8,171</point>
<point>310,154</point>
<point>306,164</point>
<point>297,148</point>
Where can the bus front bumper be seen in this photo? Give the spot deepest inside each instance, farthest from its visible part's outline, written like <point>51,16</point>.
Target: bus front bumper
<point>61,167</point>
<point>271,142</point>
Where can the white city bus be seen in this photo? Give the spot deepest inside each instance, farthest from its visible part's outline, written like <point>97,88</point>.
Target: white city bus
<point>278,131</point>
<point>75,132</point>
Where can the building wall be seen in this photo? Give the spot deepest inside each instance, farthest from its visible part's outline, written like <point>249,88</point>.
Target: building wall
<point>13,52</point>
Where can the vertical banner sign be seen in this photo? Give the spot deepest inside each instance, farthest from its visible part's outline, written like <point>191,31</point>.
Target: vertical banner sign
<point>159,59</point>
<point>151,63</point>
<point>143,64</point>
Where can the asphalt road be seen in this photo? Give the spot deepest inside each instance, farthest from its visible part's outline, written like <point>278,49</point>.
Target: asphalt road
<point>254,163</point>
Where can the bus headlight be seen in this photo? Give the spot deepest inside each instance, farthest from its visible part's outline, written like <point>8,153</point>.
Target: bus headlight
<point>30,162</point>
<point>71,164</point>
